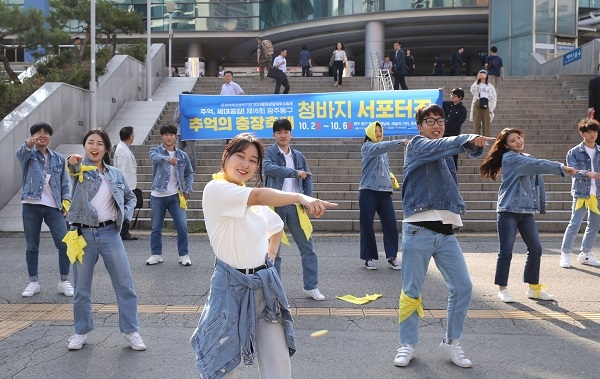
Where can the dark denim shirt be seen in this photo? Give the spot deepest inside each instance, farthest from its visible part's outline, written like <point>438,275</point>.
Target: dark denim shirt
<point>33,165</point>
<point>276,171</point>
<point>430,178</point>
<point>578,158</point>
<point>227,327</point>
<point>522,187</point>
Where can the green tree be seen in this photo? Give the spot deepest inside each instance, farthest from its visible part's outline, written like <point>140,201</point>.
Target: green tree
<point>28,26</point>
<point>110,20</point>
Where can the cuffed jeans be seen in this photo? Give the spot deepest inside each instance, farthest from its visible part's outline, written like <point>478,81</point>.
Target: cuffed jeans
<point>508,224</point>
<point>105,242</point>
<point>33,215</point>
<point>419,245</point>
<point>158,210</point>
<point>591,230</point>
<point>369,202</point>
<point>310,265</point>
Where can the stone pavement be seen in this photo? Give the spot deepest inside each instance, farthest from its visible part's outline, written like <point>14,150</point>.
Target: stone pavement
<point>526,339</point>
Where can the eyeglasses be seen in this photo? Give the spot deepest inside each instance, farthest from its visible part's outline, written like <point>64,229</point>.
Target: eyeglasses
<point>431,121</point>
<point>453,95</point>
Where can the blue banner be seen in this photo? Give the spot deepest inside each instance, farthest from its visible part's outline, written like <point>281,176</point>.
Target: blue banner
<point>313,115</point>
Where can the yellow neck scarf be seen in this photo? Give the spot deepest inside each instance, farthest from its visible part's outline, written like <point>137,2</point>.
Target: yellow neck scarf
<point>221,176</point>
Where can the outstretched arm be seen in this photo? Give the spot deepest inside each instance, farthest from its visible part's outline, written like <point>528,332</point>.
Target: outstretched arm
<point>274,198</point>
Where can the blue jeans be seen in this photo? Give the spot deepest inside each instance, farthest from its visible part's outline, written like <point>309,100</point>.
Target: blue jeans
<point>419,245</point>
<point>158,210</point>
<point>33,215</point>
<point>310,266</point>
<point>591,230</point>
<point>369,202</point>
<point>508,224</point>
<point>105,242</point>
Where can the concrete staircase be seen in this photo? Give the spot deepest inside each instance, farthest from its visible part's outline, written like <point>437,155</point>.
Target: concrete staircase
<point>546,108</point>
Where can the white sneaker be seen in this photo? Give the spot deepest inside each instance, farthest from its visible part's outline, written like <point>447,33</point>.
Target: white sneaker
<point>154,259</point>
<point>135,341</point>
<point>32,289</point>
<point>504,296</point>
<point>185,260</point>
<point>542,295</point>
<point>587,259</point>
<point>456,353</point>
<point>405,354</point>
<point>315,294</point>
<point>565,260</point>
<point>66,288</point>
<point>77,341</point>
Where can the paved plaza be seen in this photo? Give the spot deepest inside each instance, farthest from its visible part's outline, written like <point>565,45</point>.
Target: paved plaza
<point>526,339</point>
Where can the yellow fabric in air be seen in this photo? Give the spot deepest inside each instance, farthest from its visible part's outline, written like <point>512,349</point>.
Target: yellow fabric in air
<point>360,300</point>
<point>394,181</point>
<point>407,306</point>
<point>75,245</point>
<point>305,224</point>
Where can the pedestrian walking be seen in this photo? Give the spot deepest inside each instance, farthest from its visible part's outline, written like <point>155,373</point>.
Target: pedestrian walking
<point>125,161</point>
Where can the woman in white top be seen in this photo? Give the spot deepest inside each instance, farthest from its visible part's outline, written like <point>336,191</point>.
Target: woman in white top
<point>339,62</point>
<point>245,288</point>
<point>483,104</point>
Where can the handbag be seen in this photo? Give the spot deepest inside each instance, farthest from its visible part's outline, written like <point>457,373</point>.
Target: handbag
<point>274,73</point>
<point>139,196</point>
<point>483,102</point>
<point>331,60</point>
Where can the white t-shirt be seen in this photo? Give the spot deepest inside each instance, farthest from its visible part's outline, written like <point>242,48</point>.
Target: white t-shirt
<point>238,233</point>
<point>591,153</point>
<point>484,90</point>
<point>289,184</point>
<point>103,202</point>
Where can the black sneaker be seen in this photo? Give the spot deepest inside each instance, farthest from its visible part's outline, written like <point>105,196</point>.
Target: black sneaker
<point>370,265</point>
<point>393,262</point>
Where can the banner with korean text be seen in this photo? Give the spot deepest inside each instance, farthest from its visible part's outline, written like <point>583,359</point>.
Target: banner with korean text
<point>313,115</point>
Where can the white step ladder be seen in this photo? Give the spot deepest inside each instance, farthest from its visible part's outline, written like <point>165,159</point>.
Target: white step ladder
<point>381,79</point>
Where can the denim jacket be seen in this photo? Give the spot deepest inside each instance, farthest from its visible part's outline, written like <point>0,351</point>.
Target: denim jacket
<point>275,170</point>
<point>430,176</point>
<point>82,211</point>
<point>161,169</point>
<point>578,158</point>
<point>375,173</point>
<point>32,163</point>
<point>522,187</point>
<point>227,326</point>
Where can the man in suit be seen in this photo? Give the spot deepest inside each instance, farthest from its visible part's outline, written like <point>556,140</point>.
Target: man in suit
<point>458,62</point>
<point>594,100</point>
<point>125,161</point>
<point>400,68</point>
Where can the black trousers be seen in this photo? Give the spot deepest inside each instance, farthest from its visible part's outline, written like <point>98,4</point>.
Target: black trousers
<point>282,80</point>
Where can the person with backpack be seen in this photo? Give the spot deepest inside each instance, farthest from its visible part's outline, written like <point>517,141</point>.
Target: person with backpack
<point>494,66</point>
<point>264,54</point>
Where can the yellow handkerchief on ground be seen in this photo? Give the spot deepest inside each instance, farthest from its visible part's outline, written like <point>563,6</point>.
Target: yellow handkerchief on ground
<point>360,300</point>
<point>182,200</point>
<point>75,245</point>
<point>83,169</point>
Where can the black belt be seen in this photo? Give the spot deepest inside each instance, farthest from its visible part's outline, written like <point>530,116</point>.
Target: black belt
<point>249,271</point>
<point>100,225</point>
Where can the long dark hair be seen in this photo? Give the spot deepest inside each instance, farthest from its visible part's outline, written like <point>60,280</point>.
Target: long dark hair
<point>240,143</point>
<point>105,139</point>
<point>492,164</point>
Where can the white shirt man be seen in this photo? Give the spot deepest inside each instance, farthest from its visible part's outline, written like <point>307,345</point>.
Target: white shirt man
<point>125,161</point>
<point>230,87</point>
